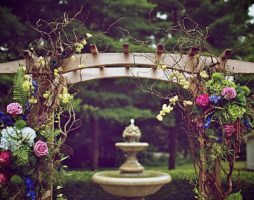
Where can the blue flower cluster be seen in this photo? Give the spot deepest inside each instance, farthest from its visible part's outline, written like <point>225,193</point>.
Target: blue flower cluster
<point>35,85</point>
<point>5,119</point>
<point>247,124</point>
<point>30,193</point>
<point>214,98</point>
<point>207,121</point>
<point>220,137</point>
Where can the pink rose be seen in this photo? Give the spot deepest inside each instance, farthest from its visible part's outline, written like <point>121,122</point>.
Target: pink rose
<point>229,129</point>
<point>3,179</point>
<point>5,157</point>
<point>41,148</point>
<point>202,100</point>
<point>14,109</point>
<point>228,93</point>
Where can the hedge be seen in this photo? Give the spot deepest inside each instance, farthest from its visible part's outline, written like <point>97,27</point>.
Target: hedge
<point>77,186</point>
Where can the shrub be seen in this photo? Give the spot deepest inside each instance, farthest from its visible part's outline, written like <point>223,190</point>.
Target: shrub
<point>77,186</point>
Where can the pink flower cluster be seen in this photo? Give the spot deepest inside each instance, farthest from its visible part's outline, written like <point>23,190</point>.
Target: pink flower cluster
<point>202,100</point>
<point>228,93</point>
<point>3,179</point>
<point>14,109</point>
<point>40,148</point>
<point>5,157</point>
<point>229,129</point>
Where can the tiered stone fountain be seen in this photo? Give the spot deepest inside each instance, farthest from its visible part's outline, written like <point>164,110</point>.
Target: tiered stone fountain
<point>131,182</point>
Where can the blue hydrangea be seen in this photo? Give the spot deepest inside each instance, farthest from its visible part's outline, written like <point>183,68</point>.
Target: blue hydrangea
<point>207,121</point>
<point>5,119</point>
<point>220,137</point>
<point>13,139</point>
<point>30,193</point>
<point>35,85</point>
<point>247,124</point>
<point>214,98</point>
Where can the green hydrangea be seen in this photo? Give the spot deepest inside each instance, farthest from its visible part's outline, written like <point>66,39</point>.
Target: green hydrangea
<point>246,90</point>
<point>20,124</point>
<point>227,83</point>
<point>235,111</point>
<point>217,76</point>
<point>214,86</point>
<point>16,180</point>
<point>218,82</point>
<point>241,98</point>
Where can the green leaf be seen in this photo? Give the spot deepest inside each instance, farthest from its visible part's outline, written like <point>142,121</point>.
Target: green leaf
<point>19,95</point>
<point>235,196</point>
<point>22,156</point>
<point>20,124</point>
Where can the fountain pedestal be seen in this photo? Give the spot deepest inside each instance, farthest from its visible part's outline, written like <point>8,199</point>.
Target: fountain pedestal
<point>131,164</point>
<point>131,182</point>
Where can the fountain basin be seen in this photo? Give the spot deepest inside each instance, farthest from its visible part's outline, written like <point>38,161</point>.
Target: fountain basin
<point>131,185</point>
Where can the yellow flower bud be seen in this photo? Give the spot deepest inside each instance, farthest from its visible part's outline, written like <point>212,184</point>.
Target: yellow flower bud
<point>88,35</point>
<point>72,58</point>
<point>159,117</point>
<point>84,42</point>
<point>203,74</point>
<point>46,95</point>
<point>187,103</point>
<point>81,66</point>
<point>26,85</point>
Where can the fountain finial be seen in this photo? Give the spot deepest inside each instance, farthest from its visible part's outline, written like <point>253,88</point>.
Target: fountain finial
<point>132,133</point>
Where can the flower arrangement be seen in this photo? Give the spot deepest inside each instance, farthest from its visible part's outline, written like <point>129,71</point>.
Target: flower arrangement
<point>32,131</point>
<point>218,114</point>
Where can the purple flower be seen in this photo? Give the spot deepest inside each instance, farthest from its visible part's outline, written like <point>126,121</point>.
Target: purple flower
<point>14,109</point>
<point>228,93</point>
<point>229,129</point>
<point>215,98</point>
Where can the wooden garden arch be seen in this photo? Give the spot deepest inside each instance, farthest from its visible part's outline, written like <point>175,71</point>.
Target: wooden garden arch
<point>142,65</point>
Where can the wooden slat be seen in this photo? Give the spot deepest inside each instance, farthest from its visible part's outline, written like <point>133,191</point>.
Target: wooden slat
<point>133,59</point>
<point>225,54</point>
<point>10,67</point>
<point>223,58</point>
<point>94,49</point>
<point>160,49</point>
<point>138,59</point>
<point>193,51</point>
<point>87,74</point>
<point>126,49</point>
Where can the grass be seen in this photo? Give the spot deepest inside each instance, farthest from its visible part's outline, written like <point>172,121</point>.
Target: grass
<point>185,171</point>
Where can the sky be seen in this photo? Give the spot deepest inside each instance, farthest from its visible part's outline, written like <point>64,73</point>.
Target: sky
<point>251,12</point>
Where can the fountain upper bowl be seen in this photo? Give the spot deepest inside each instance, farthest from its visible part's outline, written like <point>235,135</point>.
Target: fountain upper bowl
<point>131,146</point>
<point>131,185</point>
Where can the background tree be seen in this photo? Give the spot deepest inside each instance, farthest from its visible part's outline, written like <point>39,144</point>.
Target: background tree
<point>143,24</point>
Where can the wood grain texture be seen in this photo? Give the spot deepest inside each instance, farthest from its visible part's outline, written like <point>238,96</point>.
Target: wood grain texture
<point>87,74</point>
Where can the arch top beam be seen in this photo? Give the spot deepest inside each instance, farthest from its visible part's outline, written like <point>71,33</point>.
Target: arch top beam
<point>177,61</point>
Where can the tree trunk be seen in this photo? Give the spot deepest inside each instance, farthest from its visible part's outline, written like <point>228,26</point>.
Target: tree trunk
<point>172,149</point>
<point>95,144</point>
